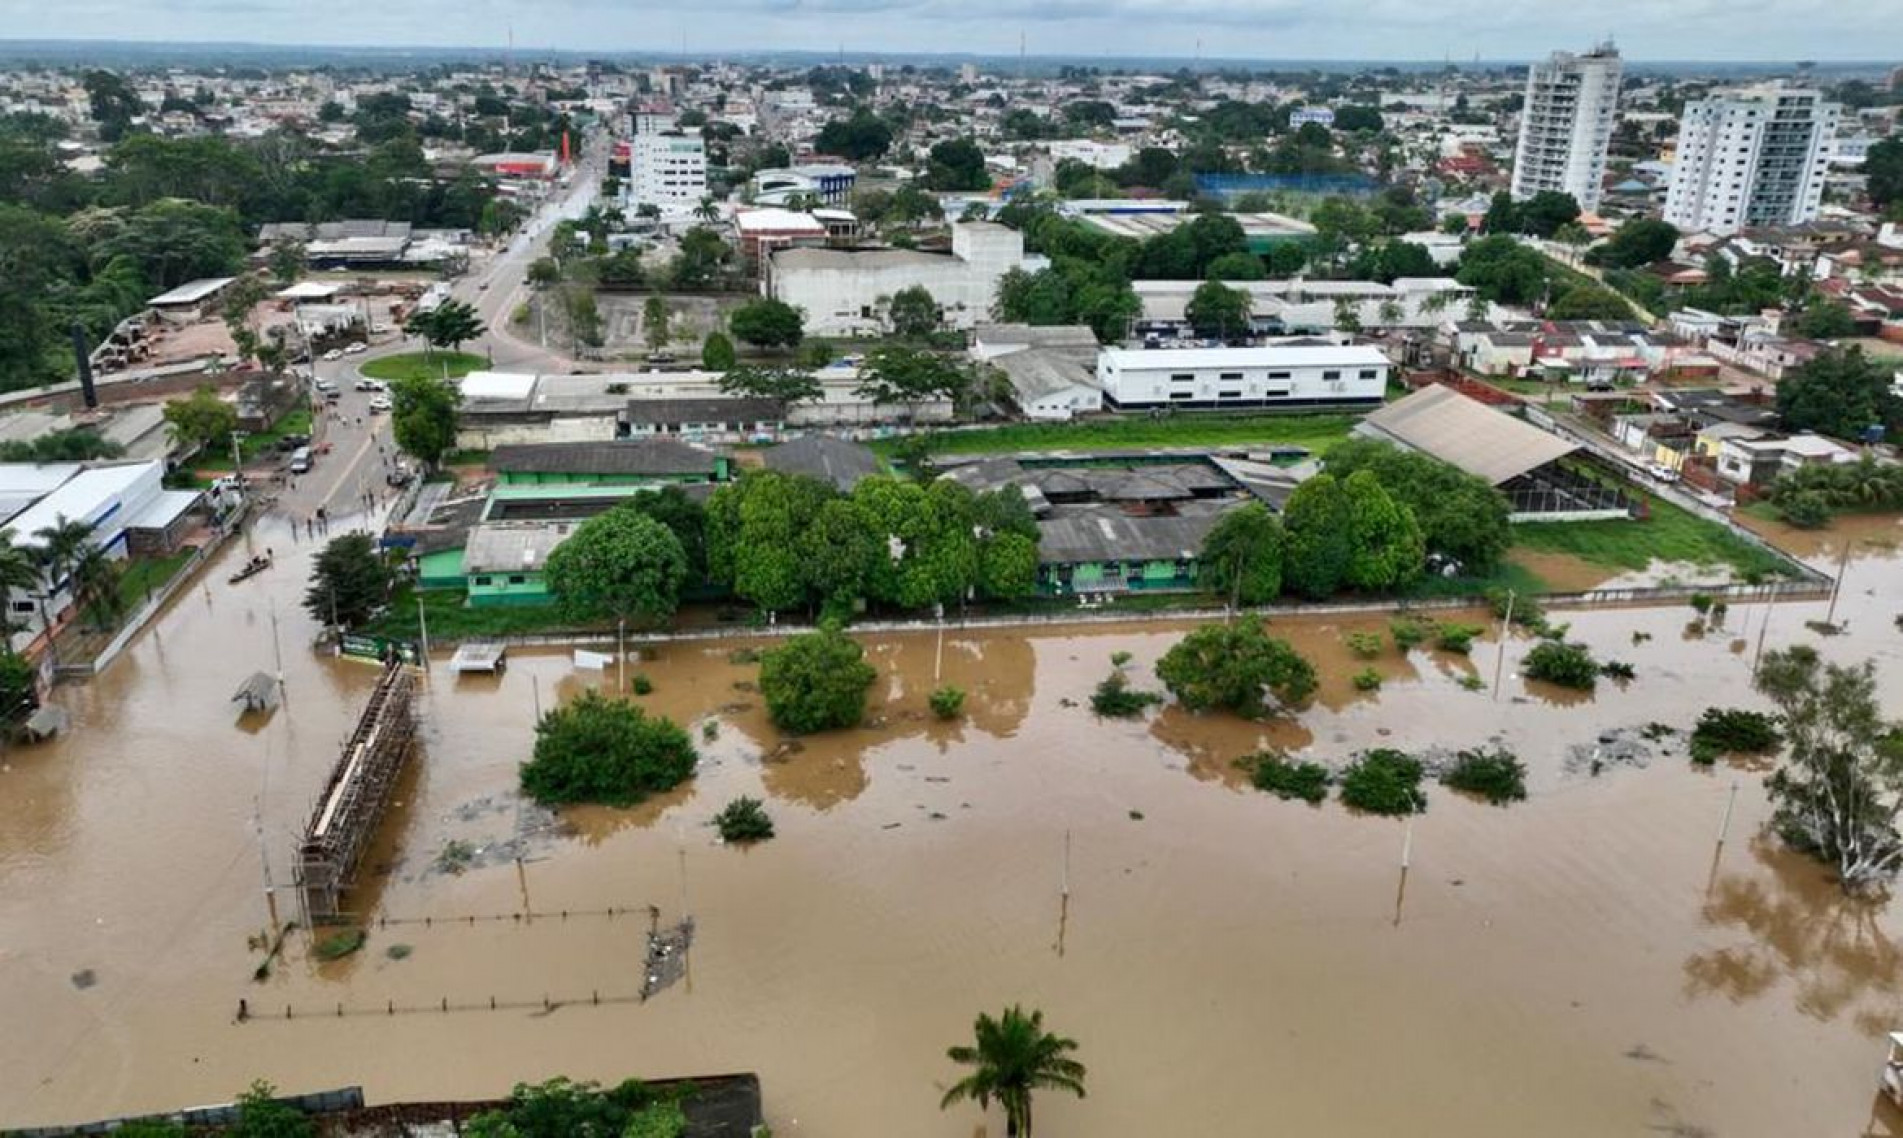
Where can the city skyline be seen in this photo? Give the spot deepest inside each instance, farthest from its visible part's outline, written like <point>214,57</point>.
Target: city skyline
<point>1386,30</point>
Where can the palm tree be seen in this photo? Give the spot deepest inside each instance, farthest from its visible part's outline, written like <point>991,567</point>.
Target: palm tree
<point>96,579</point>
<point>61,545</point>
<point>706,211</point>
<point>17,574</point>
<point>1013,1057</point>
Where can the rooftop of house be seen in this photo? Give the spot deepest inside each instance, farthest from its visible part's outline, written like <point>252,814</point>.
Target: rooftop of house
<point>1108,534</point>
<point>630,456</point>
<point>838,461</point>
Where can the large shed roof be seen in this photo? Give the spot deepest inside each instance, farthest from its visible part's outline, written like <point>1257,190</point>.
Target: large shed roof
<point>1442,423</point>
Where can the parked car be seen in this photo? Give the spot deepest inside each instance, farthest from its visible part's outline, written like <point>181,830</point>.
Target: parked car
<point>324,385</point>
<point>356,346</point>
<point>380,403</point>
<point>301,460</point>
<point>380,328</point>
<point>399,475</point>
<point>1662,472</point>
<point>333,355</point>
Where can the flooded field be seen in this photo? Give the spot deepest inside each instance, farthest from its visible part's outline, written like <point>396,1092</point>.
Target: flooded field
<point>1591,962</point>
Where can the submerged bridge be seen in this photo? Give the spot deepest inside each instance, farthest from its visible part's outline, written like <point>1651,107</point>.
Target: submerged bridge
<point>353,800</point>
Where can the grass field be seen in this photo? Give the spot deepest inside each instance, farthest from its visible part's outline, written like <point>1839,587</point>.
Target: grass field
<point>436,365</point>
<point>1315,432</point>
<point>1670,534</point>
<point>450,618</point>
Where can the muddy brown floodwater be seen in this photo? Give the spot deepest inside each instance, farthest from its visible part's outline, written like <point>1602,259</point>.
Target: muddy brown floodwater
<point>1590,962</point>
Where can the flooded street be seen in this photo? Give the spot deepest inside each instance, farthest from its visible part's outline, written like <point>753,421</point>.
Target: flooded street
<point>1590,962</point>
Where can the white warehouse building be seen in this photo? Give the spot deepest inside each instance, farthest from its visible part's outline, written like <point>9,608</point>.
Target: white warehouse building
<point>843,292</point>
<point>1274,375</point>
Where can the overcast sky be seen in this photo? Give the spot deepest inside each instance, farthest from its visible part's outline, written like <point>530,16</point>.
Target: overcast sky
<point>1260,29</point>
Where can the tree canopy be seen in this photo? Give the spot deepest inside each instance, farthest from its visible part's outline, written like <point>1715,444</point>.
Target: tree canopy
<point>767,323</point>
<point>1840,393</point>
<point>423,416</point>
<point>1840,789</point>
<point>621,564</point>
<point>1217,311</point>
<point>816,681</point>
<point>1461,517</point>
<point>201,420</point>
<point>349,582</point>
<point>1637,243</point>
<point>862,137</point>
<point>1241,557</point>
<point>1237,667</point>
<point>598,749</point>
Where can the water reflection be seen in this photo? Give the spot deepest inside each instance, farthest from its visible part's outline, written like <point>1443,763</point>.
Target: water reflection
<point>1802,929</point>
<point>1210,743</point>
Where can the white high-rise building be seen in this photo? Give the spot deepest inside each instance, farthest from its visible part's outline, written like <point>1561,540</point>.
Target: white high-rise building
<point>1571,101</point>
<point>667,169</point>
<point>1750,158</point>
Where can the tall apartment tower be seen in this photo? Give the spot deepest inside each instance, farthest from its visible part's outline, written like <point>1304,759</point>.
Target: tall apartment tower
<point>1566,124</point>
<point>1750,158</point>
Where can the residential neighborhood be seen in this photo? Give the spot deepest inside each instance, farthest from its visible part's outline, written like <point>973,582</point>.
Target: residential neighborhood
<point>635,579</point>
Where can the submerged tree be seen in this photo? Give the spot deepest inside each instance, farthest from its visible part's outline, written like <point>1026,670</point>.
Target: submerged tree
<point>1013,1055</point>
<point>1840,788</point>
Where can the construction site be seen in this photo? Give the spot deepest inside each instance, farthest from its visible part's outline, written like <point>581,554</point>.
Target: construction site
<point>354,798</point>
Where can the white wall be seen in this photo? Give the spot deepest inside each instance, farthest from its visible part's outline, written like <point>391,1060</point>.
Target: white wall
<point>1130,379</point>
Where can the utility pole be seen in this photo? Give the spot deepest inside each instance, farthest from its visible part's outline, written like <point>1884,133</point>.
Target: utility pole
<point>422,624</point>
<point>1506,630</point>
<point>277,647</point>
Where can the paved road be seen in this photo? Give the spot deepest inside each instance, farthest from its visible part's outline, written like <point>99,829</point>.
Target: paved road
<point>360,450</point>
<point>498,286</point>
<point>361,444</point>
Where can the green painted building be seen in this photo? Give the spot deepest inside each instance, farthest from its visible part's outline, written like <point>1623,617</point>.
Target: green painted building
<point>1109,551</point>
<point>542,492</point>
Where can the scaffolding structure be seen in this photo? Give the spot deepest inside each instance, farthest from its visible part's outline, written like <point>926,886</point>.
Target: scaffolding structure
<point>347,814</point>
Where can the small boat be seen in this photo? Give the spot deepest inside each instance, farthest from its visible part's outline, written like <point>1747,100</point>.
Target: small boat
<point>251,568</point>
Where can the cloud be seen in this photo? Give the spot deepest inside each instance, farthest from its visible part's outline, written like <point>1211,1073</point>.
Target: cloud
<point>1258,29</point>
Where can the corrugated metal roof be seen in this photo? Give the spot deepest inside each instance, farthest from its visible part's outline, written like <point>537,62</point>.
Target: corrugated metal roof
<point>635,456</point>
<point>841,462</point>
<point>513,548</point>
<point>1462,432</point>
<point>1108,535</point>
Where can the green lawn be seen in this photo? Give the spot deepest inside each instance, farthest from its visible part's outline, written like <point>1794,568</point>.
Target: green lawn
<point>450,618</point>
<point>435,365</point>
<point>1670,534</point>
<point>144,575</point>
<point>1315,432</point>
<point>1506,575</point>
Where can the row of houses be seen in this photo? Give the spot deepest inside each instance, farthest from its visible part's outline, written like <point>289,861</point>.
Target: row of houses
<point>1725,441</point>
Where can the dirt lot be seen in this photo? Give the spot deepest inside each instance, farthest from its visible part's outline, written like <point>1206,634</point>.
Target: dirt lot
<point>690,318</point>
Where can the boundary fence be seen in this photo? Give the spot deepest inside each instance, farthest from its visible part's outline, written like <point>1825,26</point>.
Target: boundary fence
<point>1814,587</point>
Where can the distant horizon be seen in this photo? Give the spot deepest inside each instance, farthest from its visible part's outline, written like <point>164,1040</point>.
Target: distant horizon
<point>222,51</point>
